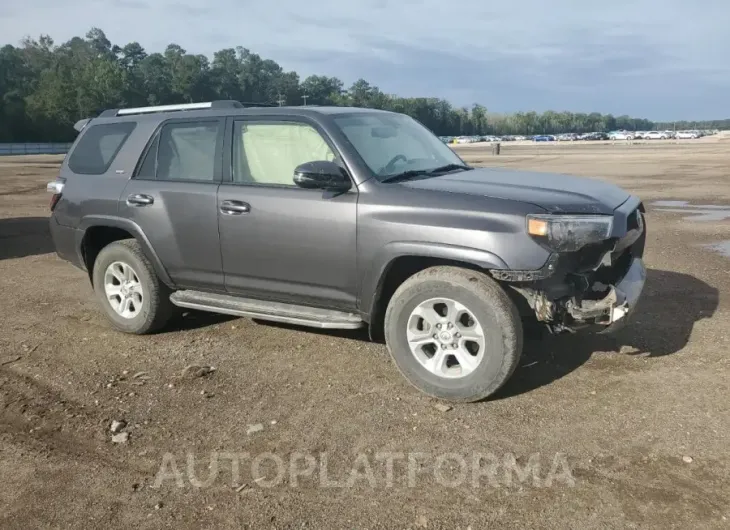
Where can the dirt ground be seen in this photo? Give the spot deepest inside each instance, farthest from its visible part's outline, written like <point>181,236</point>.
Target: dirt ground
<point>296,428</point>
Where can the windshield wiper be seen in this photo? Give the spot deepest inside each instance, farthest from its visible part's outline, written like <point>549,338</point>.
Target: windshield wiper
<point>405,175</point>
<point>421,172</point>
<point>449,167</point>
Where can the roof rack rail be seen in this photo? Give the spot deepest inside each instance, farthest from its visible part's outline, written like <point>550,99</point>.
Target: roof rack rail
<point>220,104</point>
<point>258,104</point>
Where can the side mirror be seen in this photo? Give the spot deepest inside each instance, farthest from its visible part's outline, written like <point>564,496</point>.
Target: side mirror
<point>321,174</point>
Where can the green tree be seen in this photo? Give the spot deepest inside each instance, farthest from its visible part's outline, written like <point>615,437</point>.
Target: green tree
<point>322,90</point>
<point>45,88</point>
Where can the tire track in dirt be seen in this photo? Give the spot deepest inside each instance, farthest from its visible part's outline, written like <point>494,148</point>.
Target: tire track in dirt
<point>23,191</point>
<point>34,416</point>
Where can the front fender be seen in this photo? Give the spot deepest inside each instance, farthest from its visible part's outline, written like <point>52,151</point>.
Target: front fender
<point>134,229</point>
<point>379,265</point>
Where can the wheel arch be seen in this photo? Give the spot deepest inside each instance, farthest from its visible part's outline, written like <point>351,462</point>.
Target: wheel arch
<point>96,232</point>
<point>399,261</point>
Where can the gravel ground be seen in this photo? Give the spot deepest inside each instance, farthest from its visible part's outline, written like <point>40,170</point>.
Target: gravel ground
<point>293,428</point>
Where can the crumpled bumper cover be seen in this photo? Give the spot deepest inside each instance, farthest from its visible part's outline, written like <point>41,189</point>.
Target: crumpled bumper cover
<point>615,308</point>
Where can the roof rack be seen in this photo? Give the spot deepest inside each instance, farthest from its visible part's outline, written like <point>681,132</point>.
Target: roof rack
<point>254,104</point>
<point>220,104</point>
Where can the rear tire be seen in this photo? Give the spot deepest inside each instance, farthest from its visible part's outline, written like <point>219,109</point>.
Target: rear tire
<point>435,353</point>
<point>132,296</point>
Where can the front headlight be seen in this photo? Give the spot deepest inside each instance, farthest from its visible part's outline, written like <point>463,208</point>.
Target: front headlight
<point>568,233</point>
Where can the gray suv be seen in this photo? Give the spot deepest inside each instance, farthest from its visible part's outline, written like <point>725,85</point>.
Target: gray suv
<point>340,218</point>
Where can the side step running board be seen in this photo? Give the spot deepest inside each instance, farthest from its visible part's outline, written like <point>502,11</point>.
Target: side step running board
<point>274,311</point>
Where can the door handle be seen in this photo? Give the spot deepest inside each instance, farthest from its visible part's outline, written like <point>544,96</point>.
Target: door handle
<point>138,199</point>
<point>234,207</point>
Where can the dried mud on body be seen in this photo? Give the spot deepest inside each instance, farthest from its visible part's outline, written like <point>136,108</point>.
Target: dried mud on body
<point>640,421</point>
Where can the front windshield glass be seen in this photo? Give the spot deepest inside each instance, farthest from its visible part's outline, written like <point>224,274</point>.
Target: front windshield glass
<point>393,143</point>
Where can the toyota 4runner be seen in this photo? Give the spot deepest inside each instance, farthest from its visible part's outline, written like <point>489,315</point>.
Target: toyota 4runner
<point>339,218</point>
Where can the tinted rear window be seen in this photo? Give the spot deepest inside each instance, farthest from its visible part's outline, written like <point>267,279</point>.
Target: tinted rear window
<point>97,148</point>
<point>183,151</point>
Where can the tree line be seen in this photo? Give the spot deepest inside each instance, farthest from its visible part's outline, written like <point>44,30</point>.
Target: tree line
<point>45,88</point>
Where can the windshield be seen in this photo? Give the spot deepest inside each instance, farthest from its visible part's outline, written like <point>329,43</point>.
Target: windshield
<point>391,144</point>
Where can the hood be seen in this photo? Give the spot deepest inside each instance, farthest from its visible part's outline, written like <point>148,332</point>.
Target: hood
<point>555,193</point>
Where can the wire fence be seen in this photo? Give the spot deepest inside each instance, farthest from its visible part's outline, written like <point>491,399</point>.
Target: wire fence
<point>34,149</point>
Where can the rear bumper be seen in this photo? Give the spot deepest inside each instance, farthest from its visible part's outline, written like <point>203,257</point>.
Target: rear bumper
<point>65,241</point>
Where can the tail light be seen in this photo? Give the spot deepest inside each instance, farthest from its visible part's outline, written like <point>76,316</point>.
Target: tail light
<point>56,188</point>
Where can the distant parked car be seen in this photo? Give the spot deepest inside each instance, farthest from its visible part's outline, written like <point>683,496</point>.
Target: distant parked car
<point>655,135</point>
<point>621,135</point>
<point>595,136</point>
<point>544,138</point>
<point>687,135</point>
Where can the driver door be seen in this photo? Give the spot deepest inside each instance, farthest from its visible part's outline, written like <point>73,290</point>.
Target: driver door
<point>279,241</point>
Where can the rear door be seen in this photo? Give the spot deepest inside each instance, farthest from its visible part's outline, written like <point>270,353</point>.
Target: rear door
<point>172,197</point>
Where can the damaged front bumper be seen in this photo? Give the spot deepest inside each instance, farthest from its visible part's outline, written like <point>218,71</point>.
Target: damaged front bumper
<point>612,310</point>
<point>594,289</point>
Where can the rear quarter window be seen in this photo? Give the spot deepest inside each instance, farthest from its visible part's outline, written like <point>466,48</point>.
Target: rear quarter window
<point>98,147</point>
<point>183,151</point>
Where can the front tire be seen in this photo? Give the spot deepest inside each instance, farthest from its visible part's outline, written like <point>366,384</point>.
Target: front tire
<point>453,333</point>
<point>132,296</point>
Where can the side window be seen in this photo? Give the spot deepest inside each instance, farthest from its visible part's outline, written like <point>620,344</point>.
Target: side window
<point>149,165</point>
<point>182,151</point>
<point>268,152</point>
<point>98,147</point>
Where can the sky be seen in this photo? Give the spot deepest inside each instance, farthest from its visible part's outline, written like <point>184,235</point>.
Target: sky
<point>658,59</point>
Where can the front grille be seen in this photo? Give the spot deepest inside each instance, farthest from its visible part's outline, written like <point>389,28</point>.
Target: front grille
<point>590,256</point>
<point>622,257</point>
<point>633,221</point>
<point>610,275</point>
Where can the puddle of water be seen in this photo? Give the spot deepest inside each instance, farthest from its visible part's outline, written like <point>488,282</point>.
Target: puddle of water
<point>685,204</point>
<point>695,212</point>
<point>699,215</point>
<point>723,247</point>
